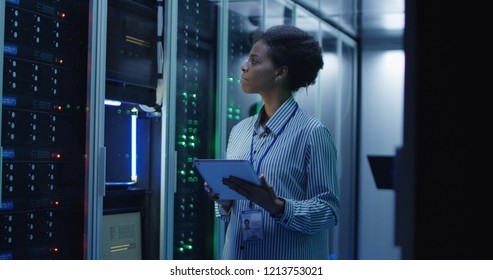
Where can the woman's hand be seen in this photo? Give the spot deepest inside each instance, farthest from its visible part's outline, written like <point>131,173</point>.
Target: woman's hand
<point>226,204</point>
<point>263,195</point>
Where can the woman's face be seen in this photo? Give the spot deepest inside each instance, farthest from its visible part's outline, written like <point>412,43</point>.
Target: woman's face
<point>259,72</point>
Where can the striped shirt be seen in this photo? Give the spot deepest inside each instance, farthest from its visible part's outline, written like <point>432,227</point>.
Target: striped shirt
<point>301,167</point>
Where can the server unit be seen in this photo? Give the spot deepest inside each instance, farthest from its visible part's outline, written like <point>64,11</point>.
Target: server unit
<point>44,129</point>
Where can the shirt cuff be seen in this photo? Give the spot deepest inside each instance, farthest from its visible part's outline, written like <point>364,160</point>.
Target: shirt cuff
<point>221,211</point>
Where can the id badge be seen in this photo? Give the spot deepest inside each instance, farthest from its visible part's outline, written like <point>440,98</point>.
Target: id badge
<point>252,225</point>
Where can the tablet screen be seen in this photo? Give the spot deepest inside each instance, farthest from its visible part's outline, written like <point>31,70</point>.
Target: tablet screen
<point>214,170</point>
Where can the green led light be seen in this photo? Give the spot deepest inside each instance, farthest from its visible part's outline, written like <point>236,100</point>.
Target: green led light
<point>189,159</point>
<point>194,95</point>
<point>230,116</point>
<point>237,117</point>
<point>182,172</point>
<point>230,79</point>
<point>68,106</point>
<point>184,94</point>
<point>237,111</point>
<point>230,110</point>
<point>189,247</point>
<point>119,111</point>
<point>181,249</point>
<point>195,122</point>
<point>238,81</point>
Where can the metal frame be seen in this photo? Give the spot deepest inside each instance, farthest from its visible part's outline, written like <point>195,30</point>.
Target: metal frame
<point>2,33</point>
<point>95,188</point>
<point>168,160</point>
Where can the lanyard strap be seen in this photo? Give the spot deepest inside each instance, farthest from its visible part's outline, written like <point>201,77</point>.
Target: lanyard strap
<point>272,143</point>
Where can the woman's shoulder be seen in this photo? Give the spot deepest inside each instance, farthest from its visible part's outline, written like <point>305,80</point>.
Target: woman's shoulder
<point>309,120</point>
<point>310,124</point>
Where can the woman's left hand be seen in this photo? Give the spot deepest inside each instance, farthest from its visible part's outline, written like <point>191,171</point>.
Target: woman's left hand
<point>263,195</point>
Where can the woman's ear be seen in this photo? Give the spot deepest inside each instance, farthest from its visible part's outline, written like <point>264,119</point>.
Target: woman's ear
<point>282,72</point>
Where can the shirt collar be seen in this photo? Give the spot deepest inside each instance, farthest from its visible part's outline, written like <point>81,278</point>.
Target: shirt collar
<point>275,123</point>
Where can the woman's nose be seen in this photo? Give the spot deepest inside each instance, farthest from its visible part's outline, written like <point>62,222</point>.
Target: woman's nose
<point>243,67</point>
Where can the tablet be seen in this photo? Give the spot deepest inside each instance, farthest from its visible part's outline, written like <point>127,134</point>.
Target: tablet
<point>214,170</point>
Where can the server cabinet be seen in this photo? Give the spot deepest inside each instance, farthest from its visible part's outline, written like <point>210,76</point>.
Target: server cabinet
<point>190,134</point>
<point>132,130</point>
<point>44,102</point>
<point>194,136</point>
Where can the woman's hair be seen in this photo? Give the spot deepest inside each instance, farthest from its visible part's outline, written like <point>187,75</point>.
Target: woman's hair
<point>292,47</point>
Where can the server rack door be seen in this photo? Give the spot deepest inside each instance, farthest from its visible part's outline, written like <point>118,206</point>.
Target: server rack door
<point>44,129</point>
<point>191,130</point>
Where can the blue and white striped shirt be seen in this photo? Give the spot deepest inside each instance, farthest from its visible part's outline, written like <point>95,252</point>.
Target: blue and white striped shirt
<point>301,167</point>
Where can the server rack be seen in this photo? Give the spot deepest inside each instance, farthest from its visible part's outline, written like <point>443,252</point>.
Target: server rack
<point>189,224</point>
<point>44,97</point>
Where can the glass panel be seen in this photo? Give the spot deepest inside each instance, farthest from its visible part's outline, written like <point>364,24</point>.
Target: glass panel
<point>348,15</point>
<point>307,97</point>
<point>195,112</point>
<point>339,12</point>
<point>278,13</point>
<point>244,20</point>
<point>329,79</point>
<point>347,151</point>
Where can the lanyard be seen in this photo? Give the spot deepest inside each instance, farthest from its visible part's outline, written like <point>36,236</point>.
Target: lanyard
<point>272,143</point>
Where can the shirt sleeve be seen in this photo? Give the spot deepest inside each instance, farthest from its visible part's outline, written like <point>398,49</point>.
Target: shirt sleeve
<point>221,213</point>
<point>320,209</point>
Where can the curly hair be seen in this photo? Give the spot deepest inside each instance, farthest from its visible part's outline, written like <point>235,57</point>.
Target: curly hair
<point>292,47</point>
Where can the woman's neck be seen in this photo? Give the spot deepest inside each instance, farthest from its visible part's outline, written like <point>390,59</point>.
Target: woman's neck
<point>271,104</point>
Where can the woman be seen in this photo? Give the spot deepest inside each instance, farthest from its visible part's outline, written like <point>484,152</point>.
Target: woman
<point>291,151</point>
